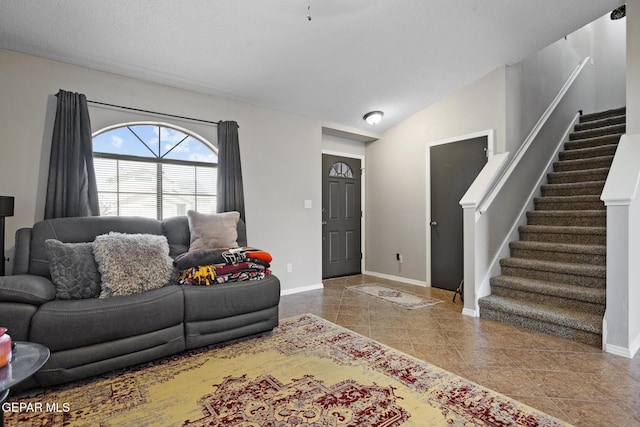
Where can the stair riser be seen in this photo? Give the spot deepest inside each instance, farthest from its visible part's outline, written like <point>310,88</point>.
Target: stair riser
<point>594,124</point>
<point>572,178</point>
<point>579,165</point>
<point>579,258</point>
<point>593,142</point>
<point>542,326</point>
<point>544,205</point>
<point>549,300</point>
<point>606,150</point>
<point>593,133</point>
<point>578,190</point>
<point>569,238</point>
<point>570,279</point>
<point>567,221</point>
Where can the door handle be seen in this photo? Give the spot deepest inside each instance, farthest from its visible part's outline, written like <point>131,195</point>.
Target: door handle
<point>324,222</point>
<point>434,224</point>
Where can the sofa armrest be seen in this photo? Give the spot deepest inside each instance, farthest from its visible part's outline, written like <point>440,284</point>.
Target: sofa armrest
<point>22,251</point>
<point>26,289</point>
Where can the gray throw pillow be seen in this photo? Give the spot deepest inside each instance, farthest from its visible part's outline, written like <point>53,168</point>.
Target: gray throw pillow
<point>209,231</point>
<point>74,271</point>
<point>132,263</point>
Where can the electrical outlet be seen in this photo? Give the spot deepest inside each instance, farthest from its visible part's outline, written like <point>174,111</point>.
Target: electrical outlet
<point>289,267</point>
<point>399,258</point>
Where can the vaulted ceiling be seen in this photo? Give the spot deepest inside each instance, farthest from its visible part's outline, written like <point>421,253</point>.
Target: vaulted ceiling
<point>329,59</point>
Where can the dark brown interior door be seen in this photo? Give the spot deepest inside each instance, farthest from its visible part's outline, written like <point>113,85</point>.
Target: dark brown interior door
<point>341,216</point>
<point>453,167</point>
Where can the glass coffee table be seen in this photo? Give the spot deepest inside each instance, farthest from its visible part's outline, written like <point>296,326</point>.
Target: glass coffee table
<point>26,359</point>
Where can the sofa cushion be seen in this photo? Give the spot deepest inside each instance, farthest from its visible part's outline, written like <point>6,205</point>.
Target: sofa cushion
<point>74,271</point>
<point>65,324</point>
<point>204,303</point>
<point>26,289</point>
<point>213,230</point>
<point>79,229</point>
<point>132,263</point>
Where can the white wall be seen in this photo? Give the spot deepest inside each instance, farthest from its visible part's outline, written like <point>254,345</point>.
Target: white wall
<point>345,146</point>
<point>534,82</point>
<point>620,194</point>
<point>396,173</point>
<point>633,66</point>
<point>609,54</point>
<point>280,153</point>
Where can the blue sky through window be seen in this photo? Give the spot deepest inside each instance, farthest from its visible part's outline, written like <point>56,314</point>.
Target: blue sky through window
<point>153,141</point>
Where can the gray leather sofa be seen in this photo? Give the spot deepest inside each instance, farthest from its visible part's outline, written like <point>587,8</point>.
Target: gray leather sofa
<point>91,336</point>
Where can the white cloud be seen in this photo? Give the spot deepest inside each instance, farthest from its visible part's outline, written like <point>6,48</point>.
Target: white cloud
<point>199,157</point>
<point>182,148</point>
<point>170,135</point>
<point>116,141</point>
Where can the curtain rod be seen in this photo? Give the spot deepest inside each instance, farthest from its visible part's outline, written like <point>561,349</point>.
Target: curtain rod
<point>152,112</point>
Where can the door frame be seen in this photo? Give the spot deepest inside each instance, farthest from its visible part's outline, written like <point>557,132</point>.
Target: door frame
<point>491,149</point>
<point>362,201</point>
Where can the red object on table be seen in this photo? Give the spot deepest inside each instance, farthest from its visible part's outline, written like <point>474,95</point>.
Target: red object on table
<point>5,347</point>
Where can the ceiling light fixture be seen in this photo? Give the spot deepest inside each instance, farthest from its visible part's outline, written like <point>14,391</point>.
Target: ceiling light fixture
<point>373,117</point>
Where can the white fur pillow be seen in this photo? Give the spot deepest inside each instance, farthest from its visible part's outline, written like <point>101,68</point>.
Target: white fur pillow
<point>209,231</point>
<point>132,263</point>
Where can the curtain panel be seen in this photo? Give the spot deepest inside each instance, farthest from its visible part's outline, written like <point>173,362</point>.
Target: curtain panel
<point>230,195</point>
<point>71,187</point>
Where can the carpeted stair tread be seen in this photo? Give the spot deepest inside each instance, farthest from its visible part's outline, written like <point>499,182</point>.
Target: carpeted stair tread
<point>601,122</point>
<point>592,133</point>
<point>553,229</point>
<point>589,152</point>
<point>561,252</point>
<point>586,202</point>
<point>582,164</point>
<point>560,247</point>
<point>599,115</point>
<point>568,218</point>
<point>556,315</point>
<point>560,290</point>
<point>598,174</point>
<point>593,142</point>
<point>556,267</point>
<point>555,279</point>
<point>564,234</point>
<point>585,188</point>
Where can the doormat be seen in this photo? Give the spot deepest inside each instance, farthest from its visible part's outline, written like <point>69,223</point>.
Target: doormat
<point>401,298</point>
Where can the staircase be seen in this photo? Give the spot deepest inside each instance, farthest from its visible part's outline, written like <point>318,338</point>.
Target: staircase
<point>555,279</point>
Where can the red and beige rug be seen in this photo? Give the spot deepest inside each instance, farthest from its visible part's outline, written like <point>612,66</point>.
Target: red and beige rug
<point>308,372</point>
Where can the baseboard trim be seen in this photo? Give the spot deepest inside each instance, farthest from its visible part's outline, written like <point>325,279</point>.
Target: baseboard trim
<point>301,289</point>
<point>628,352</point>
<point>469,312</point>
<point>397,279</point>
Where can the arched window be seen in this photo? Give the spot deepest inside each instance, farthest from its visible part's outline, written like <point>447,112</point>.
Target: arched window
<point>340,170</point>
<point>154,170</point>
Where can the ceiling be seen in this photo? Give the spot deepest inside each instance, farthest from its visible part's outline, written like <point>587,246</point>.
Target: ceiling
<point>351,57</point>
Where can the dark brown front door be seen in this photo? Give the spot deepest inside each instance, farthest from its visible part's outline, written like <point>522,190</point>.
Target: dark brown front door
<point>341,216</point>
<point>453,167</point>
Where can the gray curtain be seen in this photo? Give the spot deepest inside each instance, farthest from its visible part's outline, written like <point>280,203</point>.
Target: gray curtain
<point>71,189</point>
<point>230,191</point>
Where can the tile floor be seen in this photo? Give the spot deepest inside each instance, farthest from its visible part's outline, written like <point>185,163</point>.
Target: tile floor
<point>575,382</point>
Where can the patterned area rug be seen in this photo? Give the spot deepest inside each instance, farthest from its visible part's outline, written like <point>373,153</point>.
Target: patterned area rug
<point>401,298</point>
<point>308,372</point>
